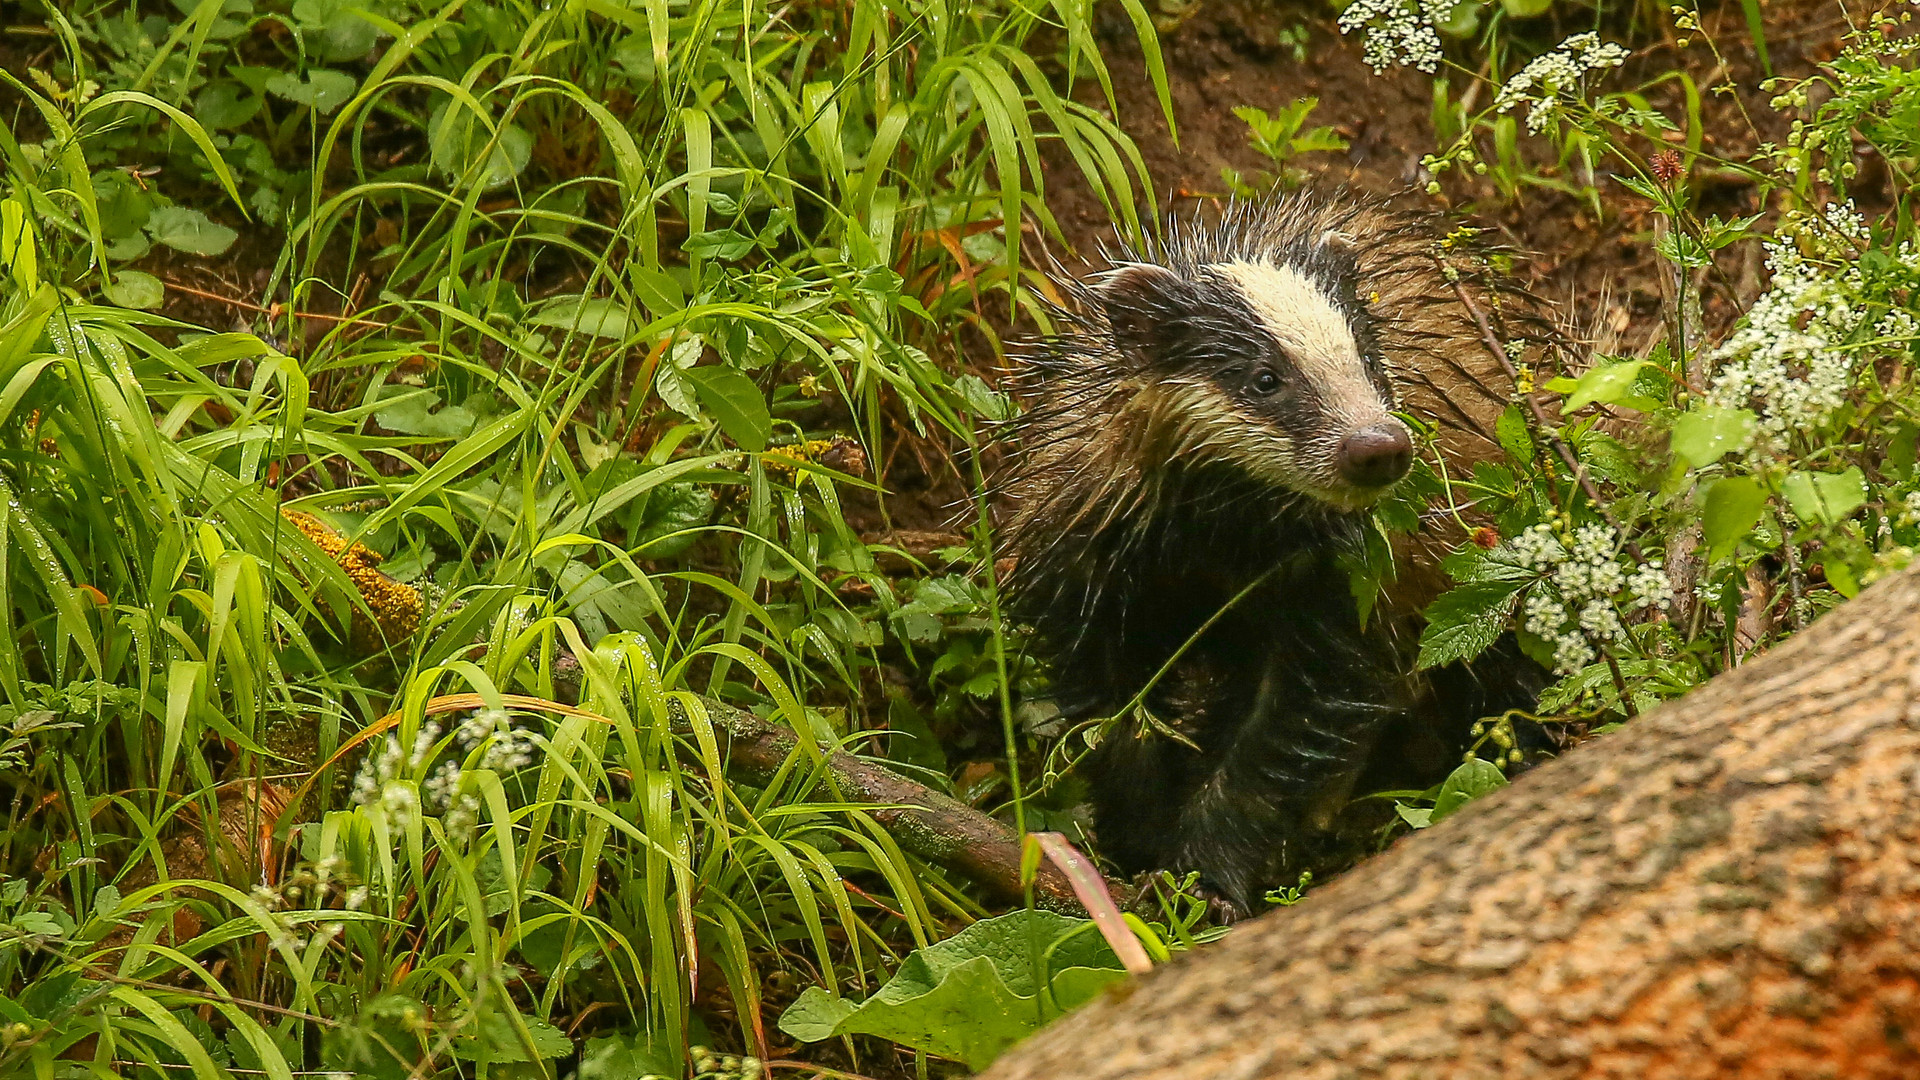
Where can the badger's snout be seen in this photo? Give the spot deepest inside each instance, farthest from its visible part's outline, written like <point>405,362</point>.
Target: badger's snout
<point>1375,456</point>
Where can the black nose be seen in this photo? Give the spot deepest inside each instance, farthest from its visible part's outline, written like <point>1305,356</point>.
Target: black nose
<point>1375,456</point>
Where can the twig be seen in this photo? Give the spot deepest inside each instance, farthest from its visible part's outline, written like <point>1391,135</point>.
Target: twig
<point>922,821</point>
<point>248,305</point>
<point>1546,425</point>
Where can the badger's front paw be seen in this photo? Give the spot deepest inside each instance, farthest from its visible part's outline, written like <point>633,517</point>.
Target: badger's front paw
<point>1167,894</point>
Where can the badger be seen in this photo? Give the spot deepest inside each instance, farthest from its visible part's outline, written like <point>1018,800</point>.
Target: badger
<point>1204,437</point>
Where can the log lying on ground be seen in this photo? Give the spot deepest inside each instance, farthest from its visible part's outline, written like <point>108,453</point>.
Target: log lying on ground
<point>1728,887</point>
<point>924,822</point>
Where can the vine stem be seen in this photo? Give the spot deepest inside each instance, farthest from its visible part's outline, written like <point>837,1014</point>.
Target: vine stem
<point>1572,460</point>
<point>1541,420</point>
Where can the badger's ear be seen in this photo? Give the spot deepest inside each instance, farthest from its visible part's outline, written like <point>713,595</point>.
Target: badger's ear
<point>1142,303</point>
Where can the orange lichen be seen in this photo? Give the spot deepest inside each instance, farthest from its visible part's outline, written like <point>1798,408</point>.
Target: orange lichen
<point>396,605</point>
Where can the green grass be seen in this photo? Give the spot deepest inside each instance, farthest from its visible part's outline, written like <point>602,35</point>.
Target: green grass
<point>547,283</point>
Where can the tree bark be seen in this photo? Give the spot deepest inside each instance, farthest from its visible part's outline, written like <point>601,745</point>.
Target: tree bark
<point>1727,887</point>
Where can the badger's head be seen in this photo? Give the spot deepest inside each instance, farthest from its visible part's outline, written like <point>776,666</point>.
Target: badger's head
<point>1270,364</point>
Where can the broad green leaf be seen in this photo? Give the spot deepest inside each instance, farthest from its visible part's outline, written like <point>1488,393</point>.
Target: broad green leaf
<point>1826,498</point>
<point>585,315</point>
<point>736,404</point>
<point>1472,779</point>
<point>970,997</point>
<point>1466,619</point>
<point>1515,437</point>
<point>1605,384</point>
<point>723,244</point>
<point>225,105</point>
<point>456,140</point>
<point>323,90</point>
<point>1704,435</point>
<point>1732,507</point>
<point>189,230</point>
<point>134,289</point>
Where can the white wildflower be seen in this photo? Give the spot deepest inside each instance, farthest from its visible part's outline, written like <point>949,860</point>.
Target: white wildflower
<point>1536,548</point>
<point>1791,363</point>
<point>1910,509</point>
<point>1571,653</point>
<point>1545,614</point>
<point>1399,31</point>
<point>1600,620</point>
<point>1548,81</point>
<point>1650,587</point>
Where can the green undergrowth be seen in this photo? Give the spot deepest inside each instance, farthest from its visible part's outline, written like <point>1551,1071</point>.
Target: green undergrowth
<point>412,418</point>
<point>409,416</point>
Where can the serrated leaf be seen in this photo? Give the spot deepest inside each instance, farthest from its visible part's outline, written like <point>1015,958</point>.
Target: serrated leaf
<point>1605,384</point>
<point>1513,434</point>
<point>1730,509</point>
<point>1465,620</point>
<point>189,230</point>
<point>456,140</point>
<point>134,289</point>
<point>1826,498</point>
<point>1704,435</point>
<point>1474,778</point>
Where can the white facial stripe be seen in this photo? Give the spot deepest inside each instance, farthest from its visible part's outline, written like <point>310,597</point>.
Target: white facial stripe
<point>1316,337</point>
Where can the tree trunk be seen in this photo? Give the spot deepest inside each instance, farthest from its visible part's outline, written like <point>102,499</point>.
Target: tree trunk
<point>1728,887</point>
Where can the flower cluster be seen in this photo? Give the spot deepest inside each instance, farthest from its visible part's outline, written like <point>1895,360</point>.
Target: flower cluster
<point>1794,361</point>
<point>1398,31</point>
<point>503,749</point>
<point>1583,587</point>
<point>380,781</point>
<point>1545,83</point>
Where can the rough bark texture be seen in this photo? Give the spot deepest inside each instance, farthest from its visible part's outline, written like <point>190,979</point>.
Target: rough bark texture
<point>1727,888</point>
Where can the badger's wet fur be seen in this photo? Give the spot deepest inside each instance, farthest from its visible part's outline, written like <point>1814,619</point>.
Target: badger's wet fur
<point>1214,421</point>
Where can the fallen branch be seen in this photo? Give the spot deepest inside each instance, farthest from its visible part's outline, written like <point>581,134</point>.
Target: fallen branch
<point>1727,887</point>
<point>924,822</point>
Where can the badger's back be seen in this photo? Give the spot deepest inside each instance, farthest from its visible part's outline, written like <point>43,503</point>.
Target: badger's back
<point>1179,544</point>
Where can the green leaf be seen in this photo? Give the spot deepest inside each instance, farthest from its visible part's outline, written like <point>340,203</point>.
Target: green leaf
<point>1465,620</point>
<point>585,315</point>
<point>1605,384</point>
<point>1732,507</point>
<point>133,289</point>
<point>455,141</point>
<point>323,90</point>
<point>625,1057</point>
<point>736,404</point>
<point>1704,435</point>
<point>333,31</point>
<point>494,1037</point>
<point>1515,437</point>
<point>225,105</point>
<point>1827,498</point>
<point>188,230</point>
<point>972,996</point>
<point>1418,817</point>
<point>1474,778</point>
<point>723,244</point>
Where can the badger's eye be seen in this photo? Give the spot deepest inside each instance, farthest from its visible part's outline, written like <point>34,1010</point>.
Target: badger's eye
<point>1266,382</point>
